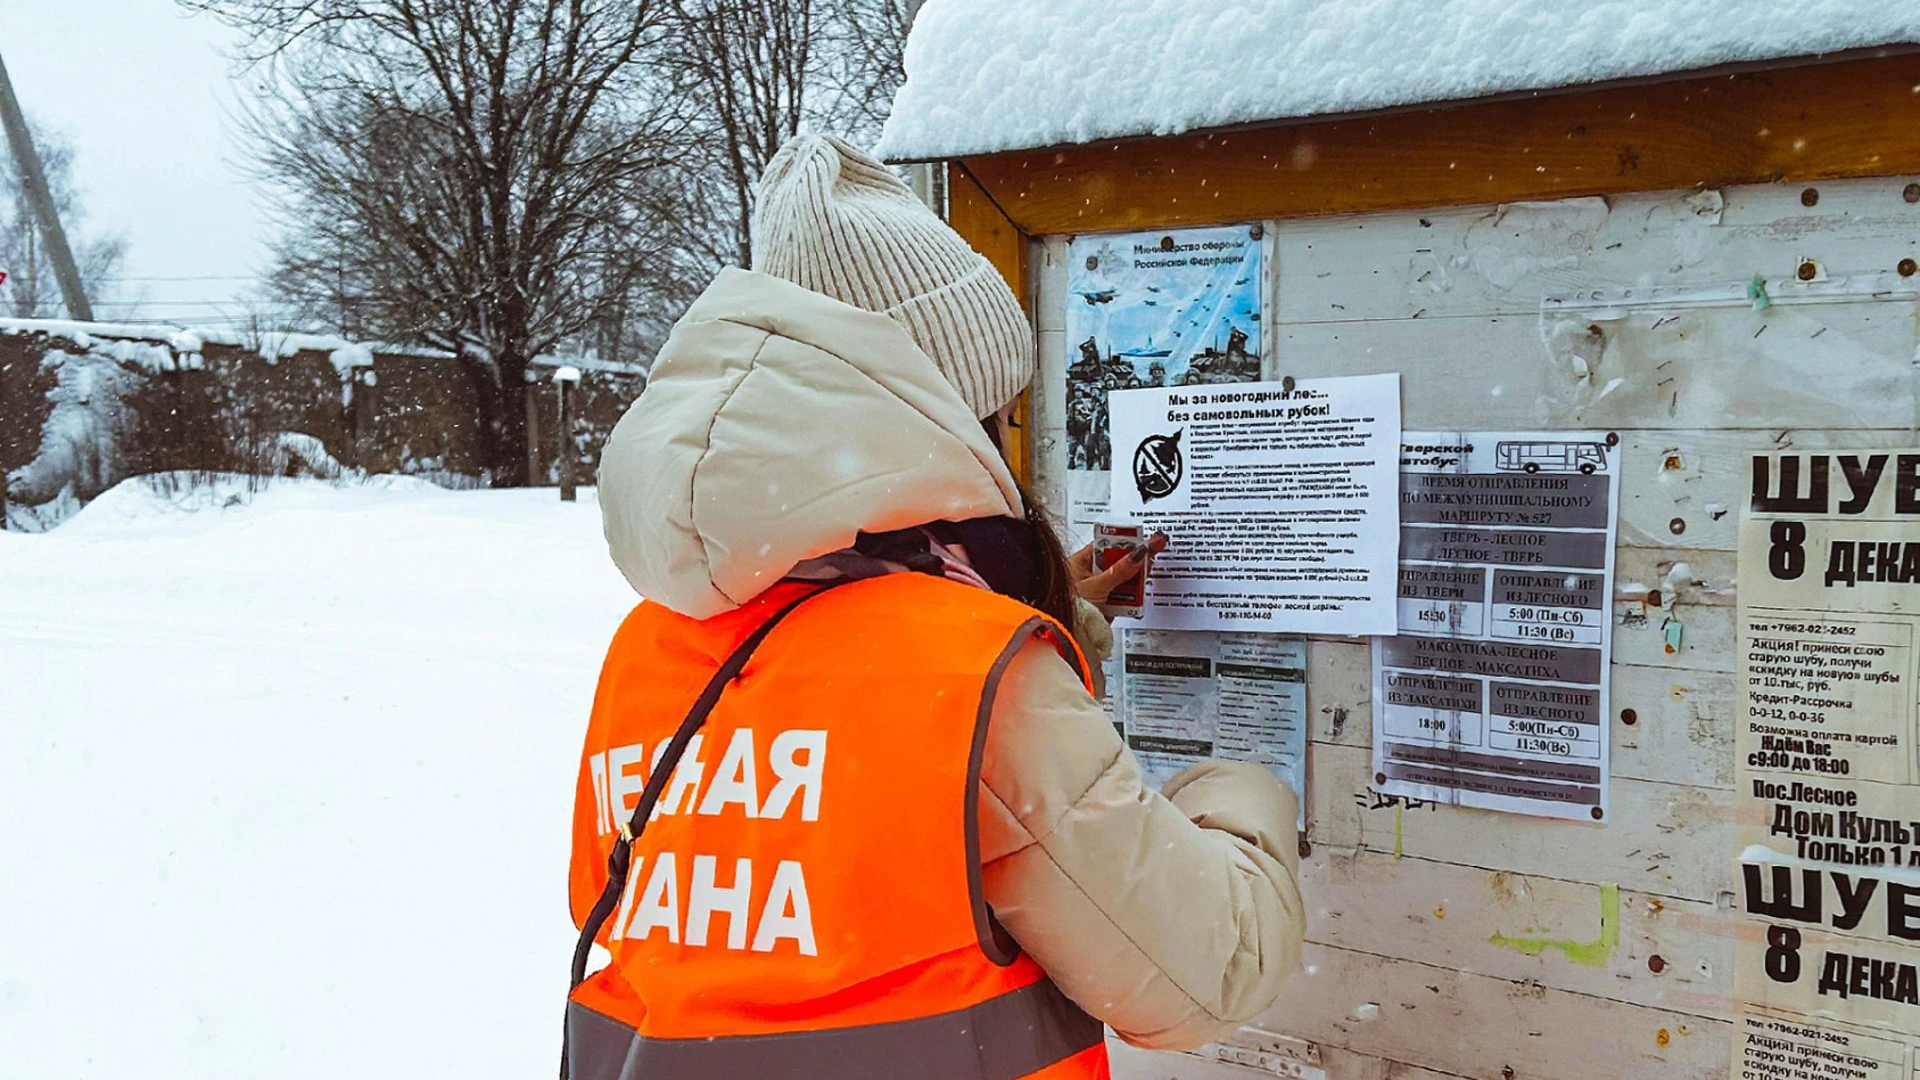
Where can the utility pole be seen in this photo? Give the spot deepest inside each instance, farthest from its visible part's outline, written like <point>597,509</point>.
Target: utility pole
<point>34,180</point>
<point>565,379</point>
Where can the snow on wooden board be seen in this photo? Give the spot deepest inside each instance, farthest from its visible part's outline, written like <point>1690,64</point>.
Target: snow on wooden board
<point>985,75</point>
<point>291,780</point>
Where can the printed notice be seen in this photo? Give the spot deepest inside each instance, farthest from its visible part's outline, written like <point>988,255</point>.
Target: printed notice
<point>1279,499</point>
<point>1827,950</point>
<point>1494,694</point>
<point>1177,308</point>
<point>1191,695</point>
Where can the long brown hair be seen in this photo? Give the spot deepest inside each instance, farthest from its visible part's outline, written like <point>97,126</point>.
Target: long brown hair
<point>1053,579</point>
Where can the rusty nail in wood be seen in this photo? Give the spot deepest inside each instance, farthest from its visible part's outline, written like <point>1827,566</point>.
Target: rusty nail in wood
<point>1810,197</point>
<point>1653,597</point>
<point>1677,526</point>
<point>1912,193</point>
<point>1908,267</point>
<point>1379,778</point>
<point>1656,963</point>
<point>1807,270</point>
<point>1629,717</point>
<point>1506,1072</point>
<point>1598,813</point>
<point>1306,848</point>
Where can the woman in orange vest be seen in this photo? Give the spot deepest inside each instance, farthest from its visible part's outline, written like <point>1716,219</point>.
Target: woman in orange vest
<point>847,807</point>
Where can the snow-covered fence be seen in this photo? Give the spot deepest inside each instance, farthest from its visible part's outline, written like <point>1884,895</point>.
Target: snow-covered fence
<point>84,405</point>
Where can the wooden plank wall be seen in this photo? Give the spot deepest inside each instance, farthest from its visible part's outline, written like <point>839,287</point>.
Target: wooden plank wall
<point>1825,118</point>
<point>1626,314</point>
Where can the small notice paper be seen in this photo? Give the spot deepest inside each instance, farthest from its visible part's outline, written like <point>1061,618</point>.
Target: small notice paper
<point>1281,503</point>
<point>1189,696</point>
<point>1494,694</point>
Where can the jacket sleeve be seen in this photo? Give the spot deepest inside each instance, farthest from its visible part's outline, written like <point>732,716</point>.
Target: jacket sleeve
<point>1094,634</point>
<point>1172,916</point>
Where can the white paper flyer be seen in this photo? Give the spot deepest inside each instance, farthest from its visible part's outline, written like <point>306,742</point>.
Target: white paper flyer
<point>1495,692</point>
<point>1280,499</point>
<point>1190,695</point>
<point>1826,969</point>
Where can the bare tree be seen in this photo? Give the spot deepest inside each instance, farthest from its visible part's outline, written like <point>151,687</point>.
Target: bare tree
<point>761,70</point>
<point>864,66</point>
<point>480,175</point>
<point>31,291</point>
<point>751,65</point>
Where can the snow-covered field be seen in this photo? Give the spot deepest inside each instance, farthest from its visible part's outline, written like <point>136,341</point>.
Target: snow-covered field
<point>285,784</point>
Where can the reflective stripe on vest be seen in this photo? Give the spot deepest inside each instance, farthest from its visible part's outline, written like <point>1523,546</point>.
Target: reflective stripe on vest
<point>806,900</point>
<point>1004,1038</point>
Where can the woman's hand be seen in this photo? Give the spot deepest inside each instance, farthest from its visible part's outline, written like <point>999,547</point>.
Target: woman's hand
<point>1095,585</point>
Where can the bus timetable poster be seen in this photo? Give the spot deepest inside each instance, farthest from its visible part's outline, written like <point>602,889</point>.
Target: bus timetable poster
<point>1494,693</point>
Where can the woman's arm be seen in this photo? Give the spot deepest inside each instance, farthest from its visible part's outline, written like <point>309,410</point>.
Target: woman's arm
<point>1173,918</point>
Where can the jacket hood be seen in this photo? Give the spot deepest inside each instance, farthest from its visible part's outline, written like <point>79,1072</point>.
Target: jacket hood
<point>777,424</point>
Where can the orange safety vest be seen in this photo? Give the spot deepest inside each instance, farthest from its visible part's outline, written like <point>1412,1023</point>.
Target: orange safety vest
<point>805,902</point>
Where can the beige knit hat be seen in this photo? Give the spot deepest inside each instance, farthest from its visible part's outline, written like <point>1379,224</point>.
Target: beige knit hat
<point>836,221</point>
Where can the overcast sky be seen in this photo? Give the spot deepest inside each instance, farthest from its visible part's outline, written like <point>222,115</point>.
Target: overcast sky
<point>145,95</point>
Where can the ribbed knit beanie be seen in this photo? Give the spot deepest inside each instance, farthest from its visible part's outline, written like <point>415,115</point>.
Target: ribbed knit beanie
<point>836,221</point>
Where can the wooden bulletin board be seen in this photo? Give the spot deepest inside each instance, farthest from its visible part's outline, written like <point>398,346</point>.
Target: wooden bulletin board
<point>1573,262</point>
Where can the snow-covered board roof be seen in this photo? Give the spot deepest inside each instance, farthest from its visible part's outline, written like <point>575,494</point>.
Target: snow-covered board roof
<point>154,345</point>
<point>991,75</point>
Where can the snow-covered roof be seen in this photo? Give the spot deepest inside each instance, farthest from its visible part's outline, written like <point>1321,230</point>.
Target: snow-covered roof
<point>990,75</point>
<point>155,345</point>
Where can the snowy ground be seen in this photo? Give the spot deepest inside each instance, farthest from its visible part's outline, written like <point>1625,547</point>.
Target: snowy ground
<point>284,785</point>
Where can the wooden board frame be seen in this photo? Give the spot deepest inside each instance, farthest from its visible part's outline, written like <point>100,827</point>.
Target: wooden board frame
<point>1850,118</point>
<point>1417,916</point>
<point>1853,117</point>
<point>974,215</point>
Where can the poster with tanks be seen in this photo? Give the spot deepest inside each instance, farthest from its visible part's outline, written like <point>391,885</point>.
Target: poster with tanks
<point>1178,308</point>
<point>1170,308</point>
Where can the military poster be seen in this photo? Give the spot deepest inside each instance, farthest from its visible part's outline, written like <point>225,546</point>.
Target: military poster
<point>1827,782</point>
<point>1177,308</point>
<point>1193,695</point>
<point>1494,694</point>
<point>1280,499</point>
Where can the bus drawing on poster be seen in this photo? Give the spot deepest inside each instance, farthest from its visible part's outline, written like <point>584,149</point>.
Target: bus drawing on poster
<point>1585,458</point>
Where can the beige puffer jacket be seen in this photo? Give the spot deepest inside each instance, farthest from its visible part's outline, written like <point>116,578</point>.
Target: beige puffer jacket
<point>779,423</point>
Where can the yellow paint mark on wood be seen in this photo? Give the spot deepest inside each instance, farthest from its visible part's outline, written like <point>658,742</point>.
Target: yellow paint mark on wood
<point>1590,953</point>
<point>1661,1037</point>
<point>1440,911</point>
<point>1398,808</point>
